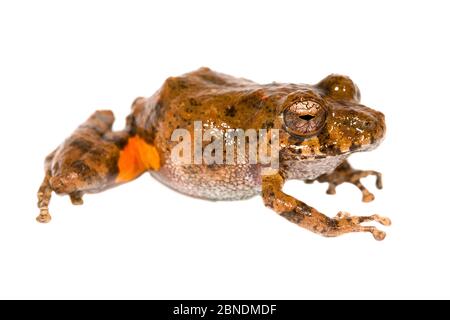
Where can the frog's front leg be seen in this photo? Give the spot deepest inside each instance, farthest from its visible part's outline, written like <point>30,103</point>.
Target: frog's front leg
<point>94,159</point>
<point>307,217</point>
<point>345,173</point>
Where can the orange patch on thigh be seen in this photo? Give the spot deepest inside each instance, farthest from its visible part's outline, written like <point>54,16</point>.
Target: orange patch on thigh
<point>137,157</point>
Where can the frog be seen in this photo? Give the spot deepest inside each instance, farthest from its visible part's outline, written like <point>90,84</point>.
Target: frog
<point>318,127</point>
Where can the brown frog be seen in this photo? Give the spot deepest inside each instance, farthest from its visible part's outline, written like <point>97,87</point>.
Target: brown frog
<point>318,127</point>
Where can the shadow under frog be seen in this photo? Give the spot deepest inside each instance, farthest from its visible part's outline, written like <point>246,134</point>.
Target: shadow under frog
<point>319,126</point>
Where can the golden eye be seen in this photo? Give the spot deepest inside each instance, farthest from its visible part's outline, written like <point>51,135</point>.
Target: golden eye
<point>305,117</point>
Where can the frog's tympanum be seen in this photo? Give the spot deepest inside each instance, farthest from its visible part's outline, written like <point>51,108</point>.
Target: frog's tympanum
<point>318,127</point>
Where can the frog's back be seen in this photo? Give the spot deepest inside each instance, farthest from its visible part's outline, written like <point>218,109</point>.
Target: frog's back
<point>220,102</point>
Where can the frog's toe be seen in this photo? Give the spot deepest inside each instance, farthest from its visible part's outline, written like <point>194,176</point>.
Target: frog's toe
<point>378,234</point>
<point>379,182</point>
<point>385,221</point>
<point>347,223</point>
<point>76,198</point>
<point>367,196</point>
<point>44,217</point>
<point>331,188</point>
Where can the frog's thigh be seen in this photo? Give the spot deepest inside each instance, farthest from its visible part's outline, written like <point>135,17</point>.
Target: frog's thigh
<point>93,159</point>
<point>309,218</point>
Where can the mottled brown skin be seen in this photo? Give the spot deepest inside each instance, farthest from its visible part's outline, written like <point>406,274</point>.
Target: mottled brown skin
<point>320,126</point>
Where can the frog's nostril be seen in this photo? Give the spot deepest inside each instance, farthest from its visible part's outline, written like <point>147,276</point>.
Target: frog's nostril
<point>306,117</point>
<point>369,124</point>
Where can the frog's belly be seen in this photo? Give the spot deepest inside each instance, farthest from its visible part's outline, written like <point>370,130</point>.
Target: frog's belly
<point>213,182</point>
<point>234,182</point>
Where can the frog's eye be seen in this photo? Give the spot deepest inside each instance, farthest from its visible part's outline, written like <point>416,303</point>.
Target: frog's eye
<point>305,117</point>
<point>340,88</point>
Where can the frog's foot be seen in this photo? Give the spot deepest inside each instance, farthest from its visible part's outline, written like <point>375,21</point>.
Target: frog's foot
<point>347,223</point>
<point>307,217</point>
<point>345,173</point>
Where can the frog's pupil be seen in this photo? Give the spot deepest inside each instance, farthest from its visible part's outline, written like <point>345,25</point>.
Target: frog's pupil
<point>306,117</point>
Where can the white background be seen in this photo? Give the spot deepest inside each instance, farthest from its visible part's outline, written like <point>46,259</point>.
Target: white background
<point>60,61</point>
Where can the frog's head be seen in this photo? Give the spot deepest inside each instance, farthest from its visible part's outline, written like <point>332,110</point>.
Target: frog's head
<point>327,120</point>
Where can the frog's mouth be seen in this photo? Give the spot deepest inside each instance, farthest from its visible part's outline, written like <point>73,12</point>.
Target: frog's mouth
<point>337,140</point>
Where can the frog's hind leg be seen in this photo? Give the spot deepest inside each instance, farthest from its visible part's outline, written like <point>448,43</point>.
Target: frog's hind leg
<point>345,173</point>
<point>45,192</point>
<point>93,159</point>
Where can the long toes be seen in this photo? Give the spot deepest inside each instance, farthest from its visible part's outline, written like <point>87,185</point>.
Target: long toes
<point>346,223</point>
<point>377,234</point>
<point>385,221</point>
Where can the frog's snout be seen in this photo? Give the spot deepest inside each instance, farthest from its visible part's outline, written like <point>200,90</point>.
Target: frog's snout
<point>378,128</point>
